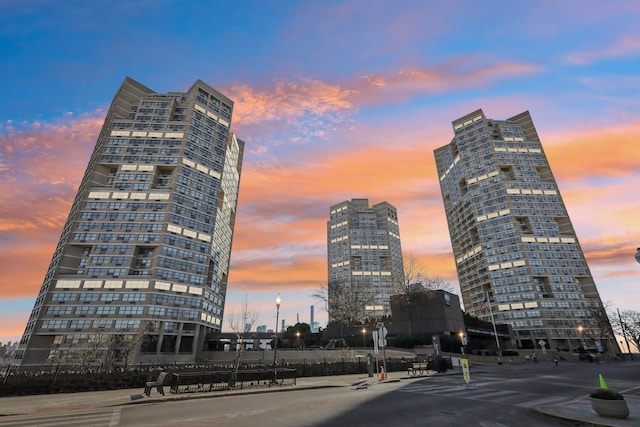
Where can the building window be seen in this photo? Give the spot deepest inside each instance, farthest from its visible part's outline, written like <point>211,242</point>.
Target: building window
<point>105,310</point>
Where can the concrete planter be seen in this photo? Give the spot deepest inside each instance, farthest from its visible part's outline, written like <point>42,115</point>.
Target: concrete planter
<point>610,408</point>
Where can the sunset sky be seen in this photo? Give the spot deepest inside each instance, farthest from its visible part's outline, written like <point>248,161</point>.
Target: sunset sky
<point>335,100</point>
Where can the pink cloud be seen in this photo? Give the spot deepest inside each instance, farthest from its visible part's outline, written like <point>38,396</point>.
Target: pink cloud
<point>459,73</point>
<point>625,47</point>
<point>42,168</point>
<point>312,109</point>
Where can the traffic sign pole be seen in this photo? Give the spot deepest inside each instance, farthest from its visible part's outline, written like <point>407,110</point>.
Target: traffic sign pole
<point>383,343</point>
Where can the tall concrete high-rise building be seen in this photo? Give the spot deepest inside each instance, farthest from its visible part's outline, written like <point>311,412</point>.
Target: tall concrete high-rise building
<point>140,271</point>
<point>512,237</point>
<point>364,260</point>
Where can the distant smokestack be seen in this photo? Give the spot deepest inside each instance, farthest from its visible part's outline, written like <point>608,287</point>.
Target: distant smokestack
<point>297,317</point>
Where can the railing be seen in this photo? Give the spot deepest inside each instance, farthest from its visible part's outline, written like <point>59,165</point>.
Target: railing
<point>192,377</point>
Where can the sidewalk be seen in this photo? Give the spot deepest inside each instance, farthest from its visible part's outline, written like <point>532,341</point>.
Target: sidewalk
<point>577,410</point>
<point>580,410</point>
<point>22,405</point>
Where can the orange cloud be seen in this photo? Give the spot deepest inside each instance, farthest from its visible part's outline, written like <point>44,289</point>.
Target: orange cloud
<point>12,327</point>
<point>42,165</point>
<point>297,193</point>
<point>612,250</point>
<point>286,101</point>
<point>580,155</point>
<point>24,266</point>
<point>285,194</point>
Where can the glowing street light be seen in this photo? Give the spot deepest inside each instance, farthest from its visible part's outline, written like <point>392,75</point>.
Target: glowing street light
<point>463,341</point>
<point>275,339</point>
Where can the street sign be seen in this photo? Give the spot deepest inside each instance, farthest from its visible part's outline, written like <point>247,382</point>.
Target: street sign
<point>382,335</point>
<point>542,344</point>
<point>466,373</point>
<point>599,346</point>
<point>382,343</point>
<point>383,330</point>
<point>374,335</point>
<point>435,339</point>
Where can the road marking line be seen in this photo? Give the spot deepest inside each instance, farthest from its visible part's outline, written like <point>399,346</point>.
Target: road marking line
<point>115,417</point>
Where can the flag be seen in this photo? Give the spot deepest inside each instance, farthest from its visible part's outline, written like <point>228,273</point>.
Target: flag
<point>484,304</point>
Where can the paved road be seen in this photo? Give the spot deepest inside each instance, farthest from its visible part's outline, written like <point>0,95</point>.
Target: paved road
<point>496,396</point>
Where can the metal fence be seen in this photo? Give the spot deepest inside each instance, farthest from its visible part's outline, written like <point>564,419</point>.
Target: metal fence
<point>64,379</point>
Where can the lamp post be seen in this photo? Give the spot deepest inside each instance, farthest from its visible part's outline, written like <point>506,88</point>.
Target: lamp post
<point>298,338</point>
<point>463,342</point>
<point>584,347</point>
<point>275,339</point>
<point>364,337</point>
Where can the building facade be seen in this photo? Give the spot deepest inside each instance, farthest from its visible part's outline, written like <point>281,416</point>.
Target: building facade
<point>512,237</point>
<point>140,271</point>
<point>424,312</point>
<point>364,260</point>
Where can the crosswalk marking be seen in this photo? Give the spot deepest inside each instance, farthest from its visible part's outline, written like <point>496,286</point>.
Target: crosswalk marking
<point>98,418</point>
<point>483,391</point>
<point>544,401</point>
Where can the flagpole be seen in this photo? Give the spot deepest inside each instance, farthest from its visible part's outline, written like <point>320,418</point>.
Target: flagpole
<point>494,329</point>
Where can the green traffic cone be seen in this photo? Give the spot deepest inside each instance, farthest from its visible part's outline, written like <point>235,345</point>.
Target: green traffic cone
<point>603,385</point>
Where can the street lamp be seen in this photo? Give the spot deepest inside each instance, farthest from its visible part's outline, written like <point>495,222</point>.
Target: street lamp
<point>463,341</point>
<point>275,339</point>
<point>580,328</point>
<point>298,338</point>
<point>364,337</point>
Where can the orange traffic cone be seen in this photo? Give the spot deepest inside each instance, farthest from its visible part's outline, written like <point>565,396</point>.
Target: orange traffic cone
<point>382,375</point>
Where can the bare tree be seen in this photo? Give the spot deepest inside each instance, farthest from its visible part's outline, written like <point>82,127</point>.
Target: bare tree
<point>124,347</point>
<point>597,319</point>
<point>628,325</point>
<point>436,283</point>
<point>417,286</point>
<point>416,273</point>
<point>346,304</point>
<point>241,323</point>
<point>102,349</point>
<point>82,350</point>
<point>413,272</point>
